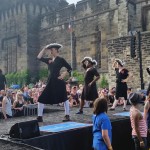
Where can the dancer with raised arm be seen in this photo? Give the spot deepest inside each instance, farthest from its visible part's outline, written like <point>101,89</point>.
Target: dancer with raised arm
<point>55,90</point>
<point>89,92</point>
<point>122,75</point>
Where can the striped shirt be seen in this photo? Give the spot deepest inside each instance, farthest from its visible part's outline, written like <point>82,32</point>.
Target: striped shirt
<point>142,127</point>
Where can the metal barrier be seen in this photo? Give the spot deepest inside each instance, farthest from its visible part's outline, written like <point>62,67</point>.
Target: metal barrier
<point>30,109</point>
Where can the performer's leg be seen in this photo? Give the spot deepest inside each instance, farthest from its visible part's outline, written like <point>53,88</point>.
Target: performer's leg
<point>66,106</point>
<point>81,107</point>
<point>40,112</point>
<point>114,105</point>
<point>124,104</point>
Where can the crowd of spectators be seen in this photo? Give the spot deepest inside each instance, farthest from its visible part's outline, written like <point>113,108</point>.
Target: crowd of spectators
<point>29,94</point>
<point>14,101</point>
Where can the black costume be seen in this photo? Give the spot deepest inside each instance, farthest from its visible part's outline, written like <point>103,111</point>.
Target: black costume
<point>2,82</point>
<point>55,90</point>
<point>121,87</point>
<point>148,89</point>
<point>19,113</point>
<point>89,93</point>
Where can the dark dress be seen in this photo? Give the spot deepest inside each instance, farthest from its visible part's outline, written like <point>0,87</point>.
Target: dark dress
<point>2,82</point>
<point>90,93</point>
<point>121,88</point>
<point>148,89</point>
<point>19,113</point>
<point>55,90</point>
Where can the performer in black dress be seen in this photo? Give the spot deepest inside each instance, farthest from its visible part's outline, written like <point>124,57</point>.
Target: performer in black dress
<point>148,89</point>
<point>89,92</point>
<point>122,75</point>
<point>2,81</point>
<point>55,90</point>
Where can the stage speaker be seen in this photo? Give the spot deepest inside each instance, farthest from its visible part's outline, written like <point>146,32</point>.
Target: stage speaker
<point>25,130</point>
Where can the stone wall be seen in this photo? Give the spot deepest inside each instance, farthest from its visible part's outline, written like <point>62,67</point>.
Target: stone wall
<point>30,25</point>
<point>13,40</point>
<point>93,22</point>
<point>19,33</point>
<point>120,48</point>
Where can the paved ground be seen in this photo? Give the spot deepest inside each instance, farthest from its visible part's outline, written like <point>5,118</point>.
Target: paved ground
<point>54,115</point>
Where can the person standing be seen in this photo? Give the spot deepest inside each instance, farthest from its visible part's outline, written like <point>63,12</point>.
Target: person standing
<point>89,92</point>
<point>138,123</point>
<point>7,105</point>
<point>147,116</point>
<point>2,81</point>
<point>102,129</point>
<point>148,89</point>
<point>55,90</point>
<point>122,75</point>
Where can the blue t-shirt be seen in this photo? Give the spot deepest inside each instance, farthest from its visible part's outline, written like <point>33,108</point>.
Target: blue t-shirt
<point>101,122</point>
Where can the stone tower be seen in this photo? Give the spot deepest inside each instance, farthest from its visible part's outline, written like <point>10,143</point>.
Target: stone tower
<point>19,32</point>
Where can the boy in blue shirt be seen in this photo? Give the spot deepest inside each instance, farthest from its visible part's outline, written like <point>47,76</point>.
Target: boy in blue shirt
<point>102,129</point>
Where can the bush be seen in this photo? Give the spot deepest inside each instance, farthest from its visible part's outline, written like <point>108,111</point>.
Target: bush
<point>103,82</point>
<point>79,76</point>
<point>43,74</point>
<point>20,78</point>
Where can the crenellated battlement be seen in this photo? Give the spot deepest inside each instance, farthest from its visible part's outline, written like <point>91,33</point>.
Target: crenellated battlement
<point>9,8</point>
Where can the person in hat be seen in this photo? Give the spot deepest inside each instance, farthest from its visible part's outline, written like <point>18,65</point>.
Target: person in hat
<point>138,123</point>
<point>89,92</point>
<point>122,75</point>
<point>2,81</point>
<point>55,90</point>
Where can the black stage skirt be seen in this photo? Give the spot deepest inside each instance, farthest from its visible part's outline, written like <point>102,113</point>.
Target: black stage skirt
<point>121,90</point>
<point>89,93</point>
<point>54,92</point>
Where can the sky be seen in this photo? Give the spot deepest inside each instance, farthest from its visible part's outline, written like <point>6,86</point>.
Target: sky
<point>72,1</point>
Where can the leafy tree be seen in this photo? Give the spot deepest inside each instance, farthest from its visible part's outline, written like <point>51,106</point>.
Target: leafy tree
<point>104,82</point>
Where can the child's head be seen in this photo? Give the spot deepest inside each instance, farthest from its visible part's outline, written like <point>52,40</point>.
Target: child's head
<point>100,106</point>
<point>134,98</point>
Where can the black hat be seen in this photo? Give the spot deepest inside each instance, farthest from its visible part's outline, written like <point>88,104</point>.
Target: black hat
<point>134,98</point>
<point>54,45</point>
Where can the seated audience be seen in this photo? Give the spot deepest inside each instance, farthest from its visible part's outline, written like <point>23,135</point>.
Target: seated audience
<point>18,104</point>
<point>111,95</point>
<point>74,98</point>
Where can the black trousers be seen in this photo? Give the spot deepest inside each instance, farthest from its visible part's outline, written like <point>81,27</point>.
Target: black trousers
<point>137,143</point>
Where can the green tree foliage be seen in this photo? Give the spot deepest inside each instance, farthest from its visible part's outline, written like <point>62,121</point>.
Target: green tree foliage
<point>103,82</point>
<point>79,76</point>
<point>20,78</point>
<point>43,74</point>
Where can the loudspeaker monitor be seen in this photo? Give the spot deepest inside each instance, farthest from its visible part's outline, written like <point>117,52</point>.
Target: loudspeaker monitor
<point>25,130</point>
